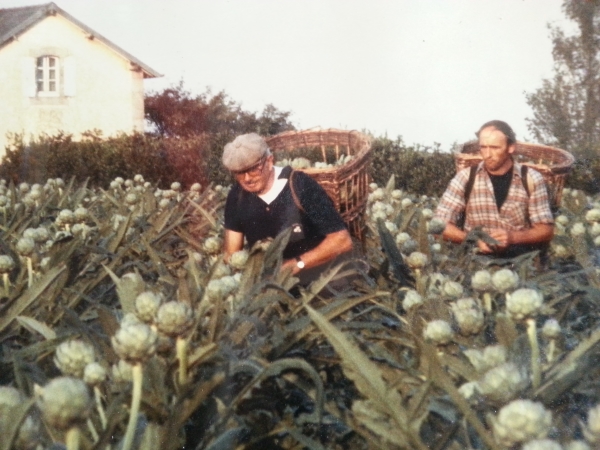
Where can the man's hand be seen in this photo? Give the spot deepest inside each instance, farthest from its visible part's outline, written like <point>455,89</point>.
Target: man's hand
<point>504,238</point>
<point>333,245</point>
<point>290,263</point>
<point>483,247</point>
<point>234,242</point>
<point>540,232</point>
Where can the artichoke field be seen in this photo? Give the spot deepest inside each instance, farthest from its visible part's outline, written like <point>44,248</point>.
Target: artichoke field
<point>122,328</point>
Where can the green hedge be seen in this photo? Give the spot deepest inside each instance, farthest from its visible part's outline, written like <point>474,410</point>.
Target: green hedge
<point>422,170</point>
<point>426,170</point>
<point>585,175</point>
<point>162,160</point>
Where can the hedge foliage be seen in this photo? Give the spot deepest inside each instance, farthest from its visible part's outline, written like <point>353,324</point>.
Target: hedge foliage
<point>196,158</point>
<point>417,169</point>
<point>160,160</point>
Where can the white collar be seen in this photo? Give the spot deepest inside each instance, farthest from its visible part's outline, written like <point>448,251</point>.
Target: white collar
<point>276,188</point>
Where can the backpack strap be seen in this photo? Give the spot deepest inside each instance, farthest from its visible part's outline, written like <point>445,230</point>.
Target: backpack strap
<point>528,185</point>
<point>470,183</point>
<point>294,194</point>
<point>527,180</point>
<point>460,223</point>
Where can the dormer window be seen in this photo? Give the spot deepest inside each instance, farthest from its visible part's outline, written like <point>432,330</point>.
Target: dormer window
<point>47,76</point>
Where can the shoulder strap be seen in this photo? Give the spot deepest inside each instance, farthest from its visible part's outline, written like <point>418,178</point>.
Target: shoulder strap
<point>526,180</point>
<point>293,189</point>
<point>470,183</point>
<point>460,223</point>
<point>240,198</point>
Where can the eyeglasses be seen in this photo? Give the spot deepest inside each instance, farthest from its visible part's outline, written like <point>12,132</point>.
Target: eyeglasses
<point>252,171</point>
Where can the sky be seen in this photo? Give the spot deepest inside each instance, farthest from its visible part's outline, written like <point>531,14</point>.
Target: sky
<point>430,71</point>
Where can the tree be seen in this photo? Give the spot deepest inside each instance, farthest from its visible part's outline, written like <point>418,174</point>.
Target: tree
<point>175,112</point>
<point>566,109</point>
<point>199,126</point>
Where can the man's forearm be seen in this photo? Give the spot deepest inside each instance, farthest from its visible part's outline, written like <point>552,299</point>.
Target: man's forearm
<point>234,241</point>
<point>454,234</point>
<point>538,233</point>
<point>332,246</point>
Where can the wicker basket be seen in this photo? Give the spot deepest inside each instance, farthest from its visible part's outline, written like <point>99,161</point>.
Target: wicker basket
<point>347,185</point>
<point>553,163</point>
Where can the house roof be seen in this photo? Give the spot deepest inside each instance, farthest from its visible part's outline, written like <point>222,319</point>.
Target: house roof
<point>16,21</point>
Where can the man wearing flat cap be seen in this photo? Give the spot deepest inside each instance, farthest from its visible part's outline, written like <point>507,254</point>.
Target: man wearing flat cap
<point>261,205</point>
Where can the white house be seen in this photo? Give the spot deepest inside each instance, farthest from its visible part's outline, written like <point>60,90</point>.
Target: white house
<point>57,74</point>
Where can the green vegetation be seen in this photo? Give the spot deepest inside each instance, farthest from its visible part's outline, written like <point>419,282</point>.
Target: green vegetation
<point>197,159</point>
<point>566,109</point>
<point>122,327</point>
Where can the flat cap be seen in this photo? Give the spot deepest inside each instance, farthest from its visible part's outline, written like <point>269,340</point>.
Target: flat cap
<point>245,151</point>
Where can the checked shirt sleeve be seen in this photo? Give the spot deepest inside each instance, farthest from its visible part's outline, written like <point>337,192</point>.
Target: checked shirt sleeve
<point>452,203</point>
<point>539,205</point>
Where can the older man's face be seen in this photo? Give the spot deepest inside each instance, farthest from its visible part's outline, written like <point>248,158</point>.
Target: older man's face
<point>495,151</point>
<point>256,178</point>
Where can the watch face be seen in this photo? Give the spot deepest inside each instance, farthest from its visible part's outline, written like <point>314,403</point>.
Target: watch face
<point>300,264</point>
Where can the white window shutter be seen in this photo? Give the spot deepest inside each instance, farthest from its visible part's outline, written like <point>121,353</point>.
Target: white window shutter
<point>28,69</point>
<point>69,76</point>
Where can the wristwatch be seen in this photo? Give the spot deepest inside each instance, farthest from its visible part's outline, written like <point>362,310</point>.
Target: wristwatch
<point>299,263</point>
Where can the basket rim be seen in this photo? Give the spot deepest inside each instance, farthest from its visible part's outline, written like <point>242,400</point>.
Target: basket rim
<point>567,163</point>
<point>365,145</point>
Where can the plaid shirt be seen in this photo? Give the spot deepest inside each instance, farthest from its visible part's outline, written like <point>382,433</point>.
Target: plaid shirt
<point>518,211</point>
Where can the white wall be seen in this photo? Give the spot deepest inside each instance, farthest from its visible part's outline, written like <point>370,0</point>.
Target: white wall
<point>105,93</point>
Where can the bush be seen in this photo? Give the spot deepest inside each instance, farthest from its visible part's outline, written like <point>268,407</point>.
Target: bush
<point>585,175</point>
<point>197,158</point>
<point>422,170</point>
<point>160,160</point>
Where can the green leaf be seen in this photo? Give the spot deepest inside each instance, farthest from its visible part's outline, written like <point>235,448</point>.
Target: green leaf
<point>35,326</point>
<point>571,370</point>
<point>163,219</point>
<point>10,429</point>
<point>152,438</point>
<point>30,295</point>
<point>274,253</point>
<point>251,274</point>
<point>118,238</point>
<point>304,440</point>
<point>276,368</point>
<point>319,284</point>
<point>368,379</point>
<point>190,400</point>
<point>158,264</point>
<point>439,376</point>
<point>302,327</point>
<point>391,185</point>
<point>378,423</point>
<point>228,440</point>
<point>423,238</point>
<point>209,217</point>
<point>399,268</point>
<point>128,288</point>
<point>505,330</point>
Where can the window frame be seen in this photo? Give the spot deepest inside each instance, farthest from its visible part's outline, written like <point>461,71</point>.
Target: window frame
<point>46,74</point>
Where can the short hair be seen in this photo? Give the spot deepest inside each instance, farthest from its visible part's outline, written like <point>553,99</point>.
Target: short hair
<point>501,126</point>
